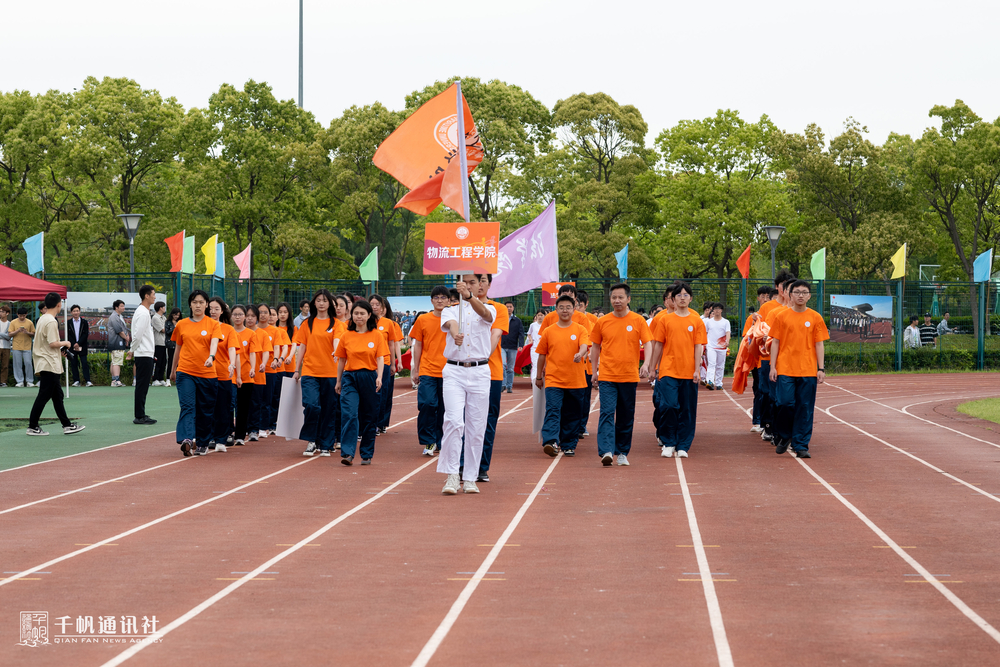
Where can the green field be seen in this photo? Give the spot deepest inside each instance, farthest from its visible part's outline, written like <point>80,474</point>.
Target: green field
<point>987,408</point>
<point>106,412</point>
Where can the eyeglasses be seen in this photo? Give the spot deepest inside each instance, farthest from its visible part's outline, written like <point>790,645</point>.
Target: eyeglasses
<point>801,293</point>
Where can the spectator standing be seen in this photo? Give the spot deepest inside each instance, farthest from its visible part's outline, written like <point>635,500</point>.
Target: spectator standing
<point>21,331</point>
<point>4,344</point>
<point>79,341</point>
<point>928,332</point>
<point>911,335</point>
<point>511,343</point>
<point>159,321</point>
<point>943,328</point>
<point>118,341</point>
<point>46,349</point>
<point>168,332</point>
<point>303,313</point>
<point>141,349</point>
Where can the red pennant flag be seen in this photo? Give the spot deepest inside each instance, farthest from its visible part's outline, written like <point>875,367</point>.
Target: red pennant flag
<point>176,245</point>
<point>743,263</point>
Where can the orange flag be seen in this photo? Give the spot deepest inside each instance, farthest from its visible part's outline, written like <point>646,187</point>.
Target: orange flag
<point>743,263</point>
<point>422,154</point>
<point>176,245</point>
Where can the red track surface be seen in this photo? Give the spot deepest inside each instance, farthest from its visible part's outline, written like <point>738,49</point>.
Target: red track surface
<point>600,570</point>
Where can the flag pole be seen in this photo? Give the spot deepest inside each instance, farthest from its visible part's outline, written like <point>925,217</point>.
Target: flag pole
<point>463,165</point>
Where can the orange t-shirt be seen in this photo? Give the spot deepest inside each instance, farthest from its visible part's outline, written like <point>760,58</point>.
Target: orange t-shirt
<point>229,340</point>
<point>501,322</point>
<point>289,366</point>
<point>280,338</point>
<point>620,339</point>
<point>559,346</point>
<point>578,317</point>
<point>196,341</point>
<point>390,332</point>
<point>797,335</point>
<point>263,341</point>
<point>427,329</point>
<point>679,335</point>
<point>764,311</point>
<point>318,361</point>
<point>243,340</point>
<point>272,334</point>
<point>362,350</point>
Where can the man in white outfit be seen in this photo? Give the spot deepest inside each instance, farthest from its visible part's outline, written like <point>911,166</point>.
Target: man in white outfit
<point>142,349</point>
<point>465,385</point>
<point>719,331</point>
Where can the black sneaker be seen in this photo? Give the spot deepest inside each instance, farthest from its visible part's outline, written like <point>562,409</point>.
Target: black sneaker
<point>607,460</point>
<point>366,462</point>
<point>551,448</point>
<point>347,460</point>
<point>483,478</point>
<point>804,454</point>
<point>782,445</point>
<point>201,451</point>
<point>186,447</point>
<point>569,452</point>
<point>766,437</point>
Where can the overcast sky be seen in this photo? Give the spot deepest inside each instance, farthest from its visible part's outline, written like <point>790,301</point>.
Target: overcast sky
<point>884,63</point>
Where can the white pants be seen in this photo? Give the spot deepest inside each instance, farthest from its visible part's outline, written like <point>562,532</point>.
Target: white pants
<point>716,365</point>
<point>466,405</point>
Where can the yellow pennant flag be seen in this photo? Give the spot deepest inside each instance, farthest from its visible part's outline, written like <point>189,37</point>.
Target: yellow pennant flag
<point>899,263</point>
<point>209,251</point>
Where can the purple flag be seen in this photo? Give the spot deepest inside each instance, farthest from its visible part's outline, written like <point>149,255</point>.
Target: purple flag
<point>528,257</point>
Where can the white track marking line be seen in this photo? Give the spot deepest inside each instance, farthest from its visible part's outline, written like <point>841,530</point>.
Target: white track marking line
<point>722,649</point>
<point>148,524</point>
<point>93,486</point>
<point>947,428</point>
<point>173,625</point>
<point>924,572</point>
<point>903,451</point>
<point>89,451</point>
<point>749,411</point>
<point>456,609</point>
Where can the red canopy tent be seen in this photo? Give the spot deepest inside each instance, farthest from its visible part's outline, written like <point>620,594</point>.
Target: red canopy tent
<point>17,286</point>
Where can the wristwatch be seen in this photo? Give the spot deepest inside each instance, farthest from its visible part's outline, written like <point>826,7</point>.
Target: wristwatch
<point>820,370</point>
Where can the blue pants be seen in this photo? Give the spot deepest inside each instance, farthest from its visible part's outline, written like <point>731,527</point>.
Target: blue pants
<point>255,423</point>
<point>588,398</point>
<point>766,396</point>
<point>509,360</point>
<point>359,404</point>
<point>564,409</point>
<point>614,428</point>
<point>385,398</point>
<point>430,407</point>
<point>265,408</point>
<point>317,404</point>
<point>796,399</point>
<point>223,411</point>
<point>276,397</point>
<point>755,373</point>
<point>197,398</point>
<point>678,399</point>
<point>658,414</point>
<point>496,388</point>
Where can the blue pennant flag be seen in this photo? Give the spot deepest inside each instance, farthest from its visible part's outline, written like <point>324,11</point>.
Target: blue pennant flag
<point>35,249</point>
<point>622,257</point>
<point>981,267</point>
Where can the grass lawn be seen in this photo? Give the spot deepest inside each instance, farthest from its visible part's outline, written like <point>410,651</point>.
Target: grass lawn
<point>987,408</point>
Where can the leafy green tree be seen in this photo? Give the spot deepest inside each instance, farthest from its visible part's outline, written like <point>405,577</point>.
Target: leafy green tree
<point>23,144</point>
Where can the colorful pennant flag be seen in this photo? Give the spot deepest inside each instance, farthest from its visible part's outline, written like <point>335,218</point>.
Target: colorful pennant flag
<point>208,250</point>
<point>817,265</point>
<point>220,260</point>
<point>187,263</point>
<point>528,257</point>
<point>743,263</point>
<point>369,267</point>
<point>176,245</point>
<point>982,266</point>
<point>243,262</point>
<point>34,247</point>
<point>622,257</point>
<point>899,263</point>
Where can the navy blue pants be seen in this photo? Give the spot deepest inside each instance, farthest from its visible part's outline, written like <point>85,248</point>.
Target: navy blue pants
<point>766,396</point>
<point>755,373</point>
<point>564,410</point>
<point>318,404</point>
<point>223,411</point>
<point>276,397</point>
<point>496,389</point>
<point>430,415</point>
<point>255,424</point>
<point>678,399</point>
<point>359,404</point>
<point>796,399</point>
<point>588,397</point>
<point>197,398</point>
<point>614,428</point>
<point>265,408</point>
<point>244,399</point>
<point>385,397</point>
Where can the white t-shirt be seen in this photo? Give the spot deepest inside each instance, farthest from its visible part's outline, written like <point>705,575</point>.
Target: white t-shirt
<point>476,346</point>
<point>533,334</point>
<point>717,330</point>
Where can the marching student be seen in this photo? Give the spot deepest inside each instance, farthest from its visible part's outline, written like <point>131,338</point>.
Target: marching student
<point>534,336</point>
<point>719,330</point>
<point>764,294</point>
<point>680,339</point>
<point>614,355</point>
<point>668,307</point>
<point>582,301</point>
<point>500,326</point>
<point>342,309</point>
<point>284,362</point>
<point>454,296</point>
<point>361,358</point>
<point>426,367</point>
<point>244,373</point>
<point>393,335</point>
<point>227,368</point>
<point>267,318</point>
<point>260,356</point>
<point>553,317</point>
<point>193,373</point>
<point>465,385</point>
<point>47,348</point>
<point>764,373</point>
<point>562,374</point>
<point>316,370</point>
<point>797,355</point>
<point>706,315</point>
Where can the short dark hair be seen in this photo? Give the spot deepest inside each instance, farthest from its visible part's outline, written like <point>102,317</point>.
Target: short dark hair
<point>508,303</point>
<point>146,290</point>
<point>782,277</point>
<point>22,310</point>
<point>119,302</point>
<point>914,318</point>
<point>71,308</point>
<point>680,287</point>
<point>565,297</point>
<point>764,289</point>
<point>303,302</point>
<point>52,300</point>
<point>489,278</point>
<point>568,289</point>
<point>582,296</point>
<point>624,286</point>
<point>440,290</point>
<point>156,306</point>
<point>372,324</point>
<point>794,284</point>
<point>196,293</point>
<point>454,295</point>
<point>719,306</point>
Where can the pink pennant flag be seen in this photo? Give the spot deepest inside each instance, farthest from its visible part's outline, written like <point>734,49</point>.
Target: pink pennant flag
<point>243,262</point>
<point>528,257</point>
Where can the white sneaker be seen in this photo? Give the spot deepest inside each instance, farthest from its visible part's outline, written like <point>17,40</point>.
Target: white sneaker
<point>606,459</point>
<point>219,447</point>
<point>667,452</point>
<point>325,452</point>
<point>429,451</point>
<point>682,454</point>
<point>90,384</point>
<point>36,431</point>
<point>20,384</point>
<point>622,460</point>
<point>470,487</point>
<point>756,428</point>
<point>157,383</point>
<point>310,449</point>
<point>165,384</point>
<point>72,428</point>
<point>75,384</point>
<point>451,485</point>
<point>252,437</point>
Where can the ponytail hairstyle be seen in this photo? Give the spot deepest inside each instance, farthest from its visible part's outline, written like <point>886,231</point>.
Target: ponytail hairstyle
<point>313,312</point>
<point>225,317</point>
<point>372,320</point>
<point>289,320</point>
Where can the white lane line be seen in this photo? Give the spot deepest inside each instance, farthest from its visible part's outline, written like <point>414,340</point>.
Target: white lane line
<point>93,486</point>
<point>89,451</point>
<point>924,572</point>
<point>148,524</point>
<point>903,451</point>
<point>722,649</point>
<point>749,411</point>
<point>928,421</point>
<point>456,609</point>
<point>260,569</point>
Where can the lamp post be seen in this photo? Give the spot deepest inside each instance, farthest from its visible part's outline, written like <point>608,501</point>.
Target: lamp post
<point>773,234</point>
<point>131,222</point>
<point>399,290</point>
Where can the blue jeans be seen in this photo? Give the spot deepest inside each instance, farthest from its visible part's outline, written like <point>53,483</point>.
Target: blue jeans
<point>755,373</point>
<point>358,408</point>
<point>318,404</point>
<point>563,411</point>
<point>256,423</point>
<point>588,398</point>
<point>430,407</point>
<point>197,399</point>
<point>223,411</point>
<point>496,388</point>
<point>796,399</point>
<point>614,428</point>
<point>678,401</point>
<point>385,398</point>
<point>766,396</point>
<point>265,408</point>
<point>509,360</point>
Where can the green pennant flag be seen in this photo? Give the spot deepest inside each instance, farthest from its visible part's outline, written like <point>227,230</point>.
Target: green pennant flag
<point>818,265</point>
<point>369,267</point>
<point>187,264</point>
